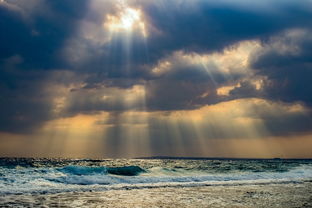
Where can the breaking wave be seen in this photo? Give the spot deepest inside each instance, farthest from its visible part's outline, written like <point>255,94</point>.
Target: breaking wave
<point>64,176</point>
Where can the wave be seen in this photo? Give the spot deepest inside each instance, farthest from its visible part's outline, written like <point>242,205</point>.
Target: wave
<point>85,185</point>
<point>86,170</point>
<point>211,166</point>
<point>121,175</point>
<point>108,176</point>
<point>83,170</point>
<point>126,170</point>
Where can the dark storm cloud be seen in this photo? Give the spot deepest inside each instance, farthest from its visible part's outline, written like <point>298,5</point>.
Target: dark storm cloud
<point>39,34</point>
<point>27,99</point>
<point>287,123</point>
<point>197,26</point>
<point>30,40</point>
<point>23,105</point>
<point>246,89</point>
<point>287,63</point>
<point>167,95</point>
<point>190,26</point>
<point>205,26</point>
<point>46,35</point>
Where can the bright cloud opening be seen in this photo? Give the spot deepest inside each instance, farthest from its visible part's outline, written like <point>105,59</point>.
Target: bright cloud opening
<point>127,20</point>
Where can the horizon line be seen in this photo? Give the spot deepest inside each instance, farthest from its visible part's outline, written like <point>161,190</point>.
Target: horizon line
<point>159,157</point>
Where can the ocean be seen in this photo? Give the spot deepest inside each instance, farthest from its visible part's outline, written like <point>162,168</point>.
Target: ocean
<point>157,182</point>
<point>48,176</point>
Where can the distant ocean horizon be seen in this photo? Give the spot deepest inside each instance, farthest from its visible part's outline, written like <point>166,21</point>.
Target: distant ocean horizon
<point>220,158</point>
<point>160,157</point>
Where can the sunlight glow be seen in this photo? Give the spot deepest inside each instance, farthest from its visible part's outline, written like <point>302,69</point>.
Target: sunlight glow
<point>225,90</point>
<point>128,20</point>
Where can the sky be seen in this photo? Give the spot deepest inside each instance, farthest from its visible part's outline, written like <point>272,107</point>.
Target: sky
<point>138,78</point>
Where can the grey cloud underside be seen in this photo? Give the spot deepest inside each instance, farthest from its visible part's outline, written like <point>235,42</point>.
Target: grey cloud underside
<point>29,47</point>
<point>203,28</point>
<point>37,36</point>
<point>289,72</point>
<point>210,26</point>
<point>39,39</point>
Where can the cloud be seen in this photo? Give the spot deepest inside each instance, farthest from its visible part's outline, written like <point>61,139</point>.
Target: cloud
<point>286,62</point>
<point>103,98</point>
<point>23,108</point>
<point>60,58</point>
<point>29,98</point>
<point>206,26</point>
<point>196,26</point>
<point>36,30</point>
<point>180,81</point>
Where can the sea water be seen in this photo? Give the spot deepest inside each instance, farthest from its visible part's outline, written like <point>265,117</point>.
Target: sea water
<point>42,176</point>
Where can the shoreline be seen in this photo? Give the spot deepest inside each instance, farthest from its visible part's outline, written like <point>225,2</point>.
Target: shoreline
<point>243,195</point>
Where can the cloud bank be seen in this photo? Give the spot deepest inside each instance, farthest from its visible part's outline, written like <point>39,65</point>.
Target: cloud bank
<point>62,59</point>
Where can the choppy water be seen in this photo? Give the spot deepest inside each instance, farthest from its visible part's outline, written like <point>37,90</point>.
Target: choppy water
<point>20,176</point>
